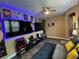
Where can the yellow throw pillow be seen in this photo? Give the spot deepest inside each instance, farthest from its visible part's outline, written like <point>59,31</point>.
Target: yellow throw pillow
<point>69,45</point>
<point>72,55</point>
<point>77,46</point>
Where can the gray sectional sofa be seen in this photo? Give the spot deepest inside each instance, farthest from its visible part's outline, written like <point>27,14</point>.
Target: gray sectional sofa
<point>51,51</point>
<point>59,52</point>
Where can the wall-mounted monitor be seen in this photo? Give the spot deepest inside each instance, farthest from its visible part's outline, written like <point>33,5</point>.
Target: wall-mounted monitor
<point>38,26</point>
<point>7,26</point>
<point>15,26</point>
<point>25,27</point>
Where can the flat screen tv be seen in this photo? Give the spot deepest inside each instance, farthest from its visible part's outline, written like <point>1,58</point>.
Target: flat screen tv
<point>25,27</point>
<point>38,26</point>
<point>15,28</point>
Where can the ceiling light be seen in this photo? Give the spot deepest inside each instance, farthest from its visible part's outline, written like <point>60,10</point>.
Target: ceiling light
<point>47,12</point>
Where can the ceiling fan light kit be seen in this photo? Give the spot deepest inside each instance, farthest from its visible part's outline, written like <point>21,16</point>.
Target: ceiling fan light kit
<point>47,12</point>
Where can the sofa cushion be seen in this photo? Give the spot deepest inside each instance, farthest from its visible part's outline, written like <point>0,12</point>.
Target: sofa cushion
<point>69,45</point>
<point>72,54</point>
<point>60,52</point>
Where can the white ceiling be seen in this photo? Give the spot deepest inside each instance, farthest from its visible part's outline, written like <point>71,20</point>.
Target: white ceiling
<point>34,7</point>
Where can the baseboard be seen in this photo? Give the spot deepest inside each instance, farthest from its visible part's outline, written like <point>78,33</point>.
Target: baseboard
<point>11,56</point>
<point>57,37</point>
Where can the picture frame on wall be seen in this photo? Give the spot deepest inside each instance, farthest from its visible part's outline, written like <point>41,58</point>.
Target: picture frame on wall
<point>25,17</point>
<point>53,23</point>
<point>31,18</point>
<point>6,13</point>
<point>20,16</point>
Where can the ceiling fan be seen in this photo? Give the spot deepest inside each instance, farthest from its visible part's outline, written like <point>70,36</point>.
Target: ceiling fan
<point>46,10</point>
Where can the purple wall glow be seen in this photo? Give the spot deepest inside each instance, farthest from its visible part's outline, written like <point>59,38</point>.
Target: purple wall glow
<point>13,18</point>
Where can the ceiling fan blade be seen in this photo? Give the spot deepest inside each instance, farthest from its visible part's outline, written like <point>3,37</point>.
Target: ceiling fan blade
<point>45,8</point>
<point>53,10</point>
<point>40,13</point>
